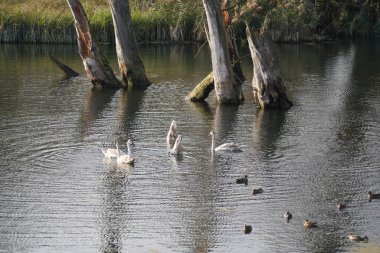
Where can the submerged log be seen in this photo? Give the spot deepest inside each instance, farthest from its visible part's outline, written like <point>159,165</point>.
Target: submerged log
<point>96,65</point>
<point>66,69</point>
<point>203,89</point>
<point>268,89</point>
<point>130,64</point>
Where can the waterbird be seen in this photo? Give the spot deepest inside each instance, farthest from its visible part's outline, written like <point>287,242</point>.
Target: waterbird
<point>111,152</point>
<point>358,238</point>
<point>309,224</point>
<point>372,196</point>
<point>125,159</point>
<point>243,180</point>
<point>341,206</point>
<point>288,215</point>
<point>178,146</point>
<point>257,191</point>
<point>247,229</point>
<point>172,133</point>
<point>224,147</point>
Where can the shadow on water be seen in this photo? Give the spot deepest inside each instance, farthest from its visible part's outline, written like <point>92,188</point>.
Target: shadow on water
<point>203,108</point>
<point>129,103</point>
<point>114,216</point>
<point>95,102</point>
<point>202,222</point>
<point>267,130</point>
<point>224,120</point>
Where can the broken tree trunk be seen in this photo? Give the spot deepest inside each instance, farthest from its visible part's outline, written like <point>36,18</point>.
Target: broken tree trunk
<point>226,89</point>
<point>69,72</point>
<point>130,64</point>
<point>96,65</point>
<point>203,89</point>
<point>268,89</point>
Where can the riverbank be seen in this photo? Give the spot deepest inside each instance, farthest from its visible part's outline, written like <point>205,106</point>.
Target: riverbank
<point>46,21</point>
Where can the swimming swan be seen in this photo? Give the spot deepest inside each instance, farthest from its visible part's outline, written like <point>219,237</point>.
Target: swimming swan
<point>125,159</point>
<point>178,147</point>
<point>224,147</point>
<point>112,152</point>
<point>172,134</point>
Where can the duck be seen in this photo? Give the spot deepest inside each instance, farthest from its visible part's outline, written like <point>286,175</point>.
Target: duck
<point>172,133</point>
<point>341,206</point>
<point>125,159</point>
<point>372,196</point>
<point>247,229</point>
<point>177,147</point>
<point>243,180</point>
<point>232,147</point>
<point>111,152</point>
<point>309,224</point>
<point>288,215</point>
<point>358,238</point>
<point>257,191</point>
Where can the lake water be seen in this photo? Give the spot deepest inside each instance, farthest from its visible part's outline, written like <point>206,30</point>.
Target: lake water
<point>58,193</point>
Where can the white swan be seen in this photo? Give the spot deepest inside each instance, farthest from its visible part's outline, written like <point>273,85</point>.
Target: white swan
<point>224,147</point>
<point>125,159</point>
<point>172,134</point>
<point>112,152</point>
<point>178,147</point>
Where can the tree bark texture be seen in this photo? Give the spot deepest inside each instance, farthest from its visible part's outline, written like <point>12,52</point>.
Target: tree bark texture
<point>268,89</point>
<point>96,65</point>
<point>231,45</point>
<point>226,89</point>
<point>130,64</point>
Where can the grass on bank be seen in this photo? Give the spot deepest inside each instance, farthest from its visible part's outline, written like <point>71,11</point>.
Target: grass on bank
<point>51,21</point>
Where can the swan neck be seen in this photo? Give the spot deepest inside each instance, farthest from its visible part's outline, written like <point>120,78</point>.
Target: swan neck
<point>129,149</point>
<point>212,142</point>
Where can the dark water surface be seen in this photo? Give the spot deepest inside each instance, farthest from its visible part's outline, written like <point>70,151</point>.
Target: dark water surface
<point>58,193</point>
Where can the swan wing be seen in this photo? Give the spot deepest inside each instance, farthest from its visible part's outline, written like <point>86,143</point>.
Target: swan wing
<point>110,152</point>
<point>123,159</point>
<point>229,147</point>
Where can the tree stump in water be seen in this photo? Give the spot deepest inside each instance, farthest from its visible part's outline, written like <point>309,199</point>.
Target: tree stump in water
<point>130,64</point>
<point>268,88</point>
<point>96,65</point>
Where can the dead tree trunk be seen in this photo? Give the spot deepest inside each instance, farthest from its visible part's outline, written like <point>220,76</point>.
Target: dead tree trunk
<point>130,64</point>
<point>268,89</point>
<point>226,88</point>
<point>203,89</point>
<point>96,65</point>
